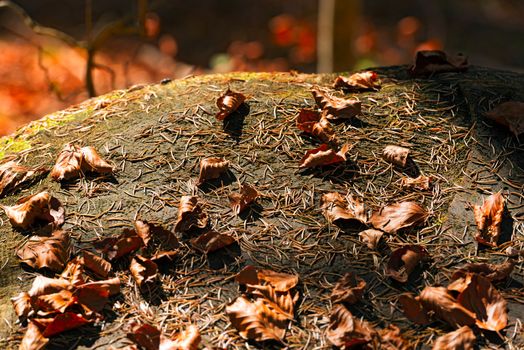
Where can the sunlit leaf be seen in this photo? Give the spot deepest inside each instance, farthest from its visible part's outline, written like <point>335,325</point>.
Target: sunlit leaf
<point>12,175</point>
<point>345,331</point>
<point>145,335</point>
<point>421,182</point>
<point>394,217</point>
<point>22,304</point>
<point>396,155</point>
<point>404,260</point>
<point>30,210</point>
<point>488,217</point>
<point>44,285</point>
<point>143,270</point>
<point>188,339</point>
<point>357,82</point>
<point>92,162</point>
<point>228,103</point>
<point>116,247</point>
<point>371,237</point>
<point>161,237</point>
<point>315,124</point>
<point>212,241</point>
<point>324,155</point>
<point>190,214</point>
<point>493,272</point>
<point>336,108</point>
<point>282,282</point>
<point>46,252</point>
<point>73,161</point>
<point>212,168</point>
<point>94,263</point>
<point>240,201</point>
<point>33,338</point>
<point>61,323</point>
<point>391,339</point>
<point>338,208</point>
<point>461,339</point>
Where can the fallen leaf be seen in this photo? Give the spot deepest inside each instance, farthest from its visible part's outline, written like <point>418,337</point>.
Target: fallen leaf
<point>336,208</point>
<point>404,260</point>
<point>45,285</point>
<point>73,161</point>
<point>349,289</point>
<point>281,282</point>
<point>116,247</point>
<point>434,61</point>
<point>145,335</point>
<point>212,241</point>
<point>421,182</point>
<point>228,103</point>
<point>94,263</point>
<point>188,339</point>
<point>92,162</point>
<point>336,108</point>
<point>509,114</point>
<point>315,124</point>
<point>60,323</point>
<point>413,309</point>
<point>357,82</point>
<point>143,270</point>
<point>394,217</point>
<point>493,272</point>
<point>46,252</point>
<point>212,168</point>
<point>12,175</point>
<point>345,331</point>
<point>112,285</point>
<point>396,155</point>
<point>391,339</point>
<point>38,207</point>
<point>161,237</point>
<point>489,217</point>
<point>461,339</point>
<point>324,155</point>
<point>257,320</point>
<point>74,273</point>
<point>55,302</point>
<point>371,237</point>
<point>190,214</point>
<point>33,338</point>
<point>22,304</point>
<point>240,201</point>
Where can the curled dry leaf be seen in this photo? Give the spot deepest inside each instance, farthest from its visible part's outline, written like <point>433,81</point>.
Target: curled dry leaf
<point>145,335</point>
<point>117,247</point>
<point>52,303</point>
<point>357,82</point>
<point>94,263</point>
<point>188,339</point>
<point>60,323</point>
<point>489,218</point>
<point>45,285</point>
<point>349,289</point>
<point>143,270</point>
<point>158,235</point>
<point>315,124</point>
<point>212,241</point>
<point>190,214</point>
<point>32,209</point>
<point>46,252</point>
<point>345,331</point>
<point>324,155</point>
<point>257,320</point>
<point>404,260</point>
<point>73,161</point>
<point>212,168</point>
<point>240,201</point>
<point>396,155</point>
<point>394,217</point>
<point>435,61</point>
<point>493,272</point>
<point>336,108</point>
<point>13,175</point>
<point>22,304</point>
<point>371,237</point>
<point>421,182</point>
<point>509,114</point>
<point>336,208</point>
<point>74,273</point>
<point>391,339</point>
<point>461,339</point>
<point>112,285</point>
<point>281,282</point>
<point>228,103</point>
<point>33,338</point>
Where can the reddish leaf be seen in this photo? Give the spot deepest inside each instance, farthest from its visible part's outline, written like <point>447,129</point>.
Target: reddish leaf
<point>421,182</point>
<point>461,339</point>
<point>404,260</point>
<point>212,168</point>
<point>391,339</point>
<point>371,237</point>
<point>52,303</point>
<point>489,219</point>
<point>73,161</point>
<point>212,241</point>
<point>336,108</point>
<point>345,331</point>
<point>188,339</point>
<point>37,207</point>
<point>493,272</point>
<point>112,285</point>
<point>190,214</point>
<point>324,155</point>
<point>240,201</point>
<point>349,289</point>
<point>228,103</point>
<point>281,282</point>
<point>33,338</point>
<point>397,216</point>
<point>46,252</point>
<point>143,270</point>
<point>315,124</point>
<point>509,114</point>
<point>396,155</point>
<point>22,304</point>
<point>116,247</point>
<point>336,208</point>
<point>147,336</point>
<point>430,62</point>
<point>92,297</point>
<point>95,263</point>
<point>12,175</point>
<point>61,323</point>
<point>362,81</point>
<point>413,309</point>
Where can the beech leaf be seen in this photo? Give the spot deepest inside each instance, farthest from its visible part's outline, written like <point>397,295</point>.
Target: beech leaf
<point>94,263</point>
<point>212,241</point>
<point>336,208</point>
<point>188,339</point>
<point>190,214</point>
<point>509,114</point>
<point>336,108</point>
<point>493,272</point>
<point>163,238</point>
<point>116,247</point>
<point>315,124</point>
<point>349,289</point>
<point>73,161</point>
<point>435,61</point>
<point>488,217</point>
<point>345,331</point>
<point>404,260</point>
<point>396,155</point>
<point>61,323</point>
<point>394,217</point>
<point>371,237</point>
<point>240,201</point>
<point>145,335</point>
<point>12,175</point>
<point>228,103</point>
<point>362,81</point>
<point>34,208</point>
<point>212,168</point>
<point>143,270</point>
<point>421,182</point>
<point>461,339</point>
<point>391,339</point>
<point>281,282</point>
<point>324,155</point>
<point>46,252</point>
<point>22,304</point>
<point>33,338</point>
<point>45,285</point>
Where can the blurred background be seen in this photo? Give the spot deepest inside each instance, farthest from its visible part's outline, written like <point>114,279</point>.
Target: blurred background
<point>55,53</point>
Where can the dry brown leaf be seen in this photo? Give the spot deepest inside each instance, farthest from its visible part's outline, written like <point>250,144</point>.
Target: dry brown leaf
<point>94,263</point>
<point>324,155</point>
<point>421,182</point>
<point>396,155</point>
<point>73,161</point>
<point>145,335</point>
<point>349,289</point>
<point>404,260</point>
<point>188,339</point>
<point>509,114</point>
<point>74,273</point>
<point>335,208</point>
<point>12,175</point>
<point>489,217</point>
<point>33,338</point>
<point>413,309</point>
<point>461,339</point>
<point>22,304</point>
<point>435,61</point>
<point>257,320</point>
<point>92,162</point>
<point>44,285</point>
<point>116,247</point>
<point>190,214</point>
<point>228,103</point>
<point>212,168</point>
<point>112,285</point>
<point>391,339</point>
<point>52,303</point>
<point>362,81</point>
<point>212,241</point>
<point>240,201</point>
<point>493,272</point>
<point>283,302</point>
<point>345,331</point>
<point>158,235</point>
<point>336,108</point>
<point>394,217</point>
<point>315,124</point>
<point>143,270</point>
<point>46,252</point>
<point>371,237</point>
<point>281,282</point>
<point>30,210</point>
